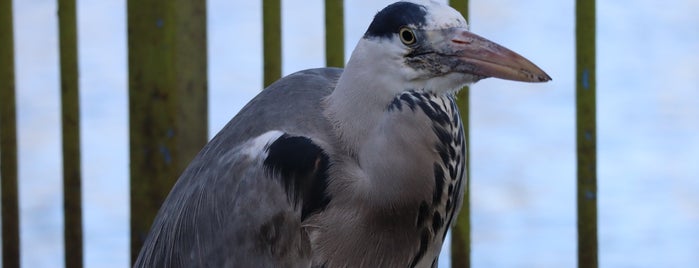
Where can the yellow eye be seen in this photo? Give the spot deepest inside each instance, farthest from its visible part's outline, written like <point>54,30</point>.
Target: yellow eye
<point>407,36</point>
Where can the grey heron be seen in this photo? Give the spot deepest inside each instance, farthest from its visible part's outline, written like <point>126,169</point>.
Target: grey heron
<point>361,167</point>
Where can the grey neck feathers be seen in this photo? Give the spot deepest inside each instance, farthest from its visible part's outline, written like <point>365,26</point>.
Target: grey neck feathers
<point>360,97</point>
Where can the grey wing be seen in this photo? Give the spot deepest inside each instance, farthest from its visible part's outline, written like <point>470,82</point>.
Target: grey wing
<point>249,214</point>
<point>242,201</point>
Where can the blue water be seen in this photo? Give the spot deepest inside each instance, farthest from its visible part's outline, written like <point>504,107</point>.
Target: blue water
<point>523,135</point>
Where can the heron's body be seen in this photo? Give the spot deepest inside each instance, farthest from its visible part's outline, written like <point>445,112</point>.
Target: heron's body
<point>424,217</point>
<point>361,167</point>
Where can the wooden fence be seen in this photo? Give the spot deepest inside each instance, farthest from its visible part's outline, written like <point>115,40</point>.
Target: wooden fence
<point>168,99</point>
<point>8,140</point>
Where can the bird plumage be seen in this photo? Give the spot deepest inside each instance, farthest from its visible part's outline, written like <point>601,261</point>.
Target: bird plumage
<point>229,208</point>
<point>361,167</point>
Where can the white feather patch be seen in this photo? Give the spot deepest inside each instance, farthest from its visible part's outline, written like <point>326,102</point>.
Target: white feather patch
<point>257,146</point>
<point>441,16</point>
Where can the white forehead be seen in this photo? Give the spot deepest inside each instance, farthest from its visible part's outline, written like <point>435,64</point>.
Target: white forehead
<point>440,15</point>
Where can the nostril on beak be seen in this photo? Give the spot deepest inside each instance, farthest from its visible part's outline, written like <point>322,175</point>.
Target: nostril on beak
<point>460,42</point>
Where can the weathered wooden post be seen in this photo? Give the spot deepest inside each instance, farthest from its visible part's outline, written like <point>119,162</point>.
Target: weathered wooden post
<point>334,33</point>
<point>272,40</point>
<point>167,101</point>
<point>586,132</point>
<point>70,122</point>
<point>461,233</point>
<point>8,140</point>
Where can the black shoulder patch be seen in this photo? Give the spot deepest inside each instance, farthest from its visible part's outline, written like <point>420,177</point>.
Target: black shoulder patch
<point>389,20</point>
<point>303,169</point>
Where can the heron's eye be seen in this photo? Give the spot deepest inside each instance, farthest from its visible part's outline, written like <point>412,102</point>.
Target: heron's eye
<point>406,36</point>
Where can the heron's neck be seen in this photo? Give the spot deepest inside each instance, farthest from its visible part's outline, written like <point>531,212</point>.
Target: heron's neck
<point>361,96</point>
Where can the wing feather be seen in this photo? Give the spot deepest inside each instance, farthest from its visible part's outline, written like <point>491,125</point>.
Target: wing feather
<point>241,202</point>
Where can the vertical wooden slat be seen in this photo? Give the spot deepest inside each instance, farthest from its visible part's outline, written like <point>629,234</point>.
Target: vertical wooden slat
<point>586,133</point>
<point>271,41</point>
<point>167,101</point>
<point>461,232</point>
<point>70,122</point>
<point>334,33</point>
<point>8,140</point>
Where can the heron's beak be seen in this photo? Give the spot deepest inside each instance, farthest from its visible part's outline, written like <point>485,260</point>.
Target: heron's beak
<point>482,57</point>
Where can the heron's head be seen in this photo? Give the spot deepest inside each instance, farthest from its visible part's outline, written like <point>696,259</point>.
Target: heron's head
<point>427,45</point>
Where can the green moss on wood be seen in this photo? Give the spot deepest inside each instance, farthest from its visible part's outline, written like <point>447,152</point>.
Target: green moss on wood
<point>586,133</point>
<point>167,101</point>
<point>334,33</point>
<point>271,41</point>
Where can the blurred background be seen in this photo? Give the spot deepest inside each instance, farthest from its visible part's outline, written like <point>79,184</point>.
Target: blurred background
<point>522,135</point>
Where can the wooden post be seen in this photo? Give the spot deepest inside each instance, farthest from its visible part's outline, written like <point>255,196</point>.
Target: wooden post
<point>461,232</point>
<point>8,140</point>
<point>586,133</point>
<point>334,33</point>
<point>272,40</point>
<point>70,122</point>
<point>167,101</point>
